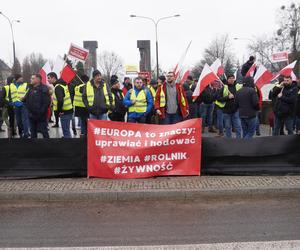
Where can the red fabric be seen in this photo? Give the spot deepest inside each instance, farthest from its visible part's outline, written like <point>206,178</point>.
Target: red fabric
<point>251,70</point>
<point>179,89</point>
<point>67,74</point>
<point>185,76</point>
<point>119,150</point>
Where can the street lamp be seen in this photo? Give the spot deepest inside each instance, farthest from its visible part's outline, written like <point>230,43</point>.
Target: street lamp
<point>12,33</point>
<point>155,22</point>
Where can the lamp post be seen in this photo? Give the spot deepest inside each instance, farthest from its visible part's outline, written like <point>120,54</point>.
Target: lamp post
<point>12,33</point>
<point>156,22</point>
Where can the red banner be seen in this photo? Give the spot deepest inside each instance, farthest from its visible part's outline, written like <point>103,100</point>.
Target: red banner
<point>126,150</point>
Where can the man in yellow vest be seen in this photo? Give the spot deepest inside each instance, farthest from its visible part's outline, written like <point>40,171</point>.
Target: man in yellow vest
<point>139,102</point>
<point>97,97</point>
<point>80,109</point>
<point>62,104</point>
<point>18,90</point>
<point>227,101</point>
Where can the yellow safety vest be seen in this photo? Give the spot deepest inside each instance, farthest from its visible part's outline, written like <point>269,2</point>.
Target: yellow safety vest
<point>140,105</point>
<point>162,102</point>
<point>6,87</point>
<point>226,93</point>
<point>78,102</point>
<point>90,95</point>
<point>152,91</point>
<point>67,105</point>
<point>18,93</point>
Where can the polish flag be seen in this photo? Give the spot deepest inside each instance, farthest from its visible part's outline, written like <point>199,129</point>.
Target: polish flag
<point>217,67</point>
<point>207,76</point>
<point>262,76</point>
<point>67,74</point>
<point>58,66</point>
<point>45,71</point>
<point>178,68</point>
<point>251,70</point>
<point>184,77</point>
<point>235,73</point>
<point>294,77</point>
<point>287,70</point>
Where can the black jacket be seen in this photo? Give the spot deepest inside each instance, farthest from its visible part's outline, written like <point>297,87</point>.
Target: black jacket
<point>245,68</point>
<point>298,104</point>
<point>37,101</point>
<point>230,104</point>
<point>286,105</point>
<point>99,106</point>
<point>120,110</point>
<point>247,102</point>
<point>208,95</point>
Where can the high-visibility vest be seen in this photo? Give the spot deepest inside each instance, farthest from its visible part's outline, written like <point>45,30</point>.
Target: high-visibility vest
<point>162,102</point>
<point>18,93</point>
<point>67,105</point>
<point>140,105</point>
<point>90,94</point>
<point>78,102</point>
<point>226,93</point>
<point>6,87</point>
<point>152,91</point>
<point>299,92</point>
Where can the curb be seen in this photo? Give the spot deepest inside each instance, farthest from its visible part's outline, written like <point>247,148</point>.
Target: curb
<point>110,196</point>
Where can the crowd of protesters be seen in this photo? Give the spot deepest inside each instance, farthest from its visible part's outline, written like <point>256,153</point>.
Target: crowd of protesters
<point>225,107</point>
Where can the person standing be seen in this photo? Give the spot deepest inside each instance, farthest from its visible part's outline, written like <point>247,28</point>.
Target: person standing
<point>226,100</point>
<point>37,100</point>
<point>247,65</point>
<point>127,85</point>
<point>52,79</point>
<point>152,117</point>
<point>18,90</point>
<point>248,105</point>
<point>298,112</point>
<point>139,102</point>
<point>62,104</point>
<point>285,97</point>
<point>119,112</point>
<point>80,109</point>
<point>97,97</point>
<point>189,87</point>
<point>170,102</point>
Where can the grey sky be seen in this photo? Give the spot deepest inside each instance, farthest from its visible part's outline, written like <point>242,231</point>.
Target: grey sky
<point>50,26</point>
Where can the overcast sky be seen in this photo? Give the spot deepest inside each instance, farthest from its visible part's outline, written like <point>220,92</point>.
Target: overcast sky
<point>49,27</point>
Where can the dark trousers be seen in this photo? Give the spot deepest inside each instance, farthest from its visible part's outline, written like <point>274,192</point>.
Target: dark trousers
<point>41,126</point>
<point>141,119</point>
<point>171,119</point>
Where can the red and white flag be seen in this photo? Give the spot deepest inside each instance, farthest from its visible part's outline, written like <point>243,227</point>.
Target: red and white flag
<point>184,77</point>
<point>58,66</point>
<point>67,74</point>
<point>262,76</point>
<point>251,70</point>
<point>294,77</point>
<point>286,71</point>
<point>217,67</point>
<point>45,71</point>
<point>207,77</point>
<point>179,66</point>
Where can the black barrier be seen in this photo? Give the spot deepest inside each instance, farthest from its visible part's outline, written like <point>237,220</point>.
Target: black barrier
<point>67,157</point>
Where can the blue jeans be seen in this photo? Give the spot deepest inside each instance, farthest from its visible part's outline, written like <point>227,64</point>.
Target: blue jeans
<point>22,121</point>
<point>249,127</point>
<point>232,121</point>
<point>258,123</point>
<point>220,120</point>
<point>141,119</point>
<point>99,117</point>
<point>65,121</point>
<point>83,125</point>
<point>206,112</point>
<point>171,119</point>
<point>287,121</point>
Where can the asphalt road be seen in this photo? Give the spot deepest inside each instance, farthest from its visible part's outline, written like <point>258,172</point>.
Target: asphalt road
<point>149,223</point>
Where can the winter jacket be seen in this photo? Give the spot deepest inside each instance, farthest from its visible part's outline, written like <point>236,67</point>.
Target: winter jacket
<point>120,110</point>
<point>286,105</point>
<point>37,101</point>
<point>247,102</point>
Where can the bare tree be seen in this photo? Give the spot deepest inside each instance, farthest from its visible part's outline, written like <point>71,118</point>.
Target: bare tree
<point>110,64</point>
<point>220,48</point>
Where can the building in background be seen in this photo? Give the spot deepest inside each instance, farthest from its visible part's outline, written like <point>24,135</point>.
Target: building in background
<point>5,71</point>
<point>145,55</point>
